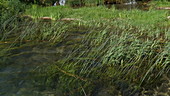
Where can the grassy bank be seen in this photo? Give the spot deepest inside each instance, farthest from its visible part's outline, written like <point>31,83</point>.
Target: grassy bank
<point>121,51</point>
<point>102,14</point>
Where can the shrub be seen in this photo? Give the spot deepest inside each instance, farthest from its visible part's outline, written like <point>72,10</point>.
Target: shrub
<point>40,2</point>
<point>10,8</point>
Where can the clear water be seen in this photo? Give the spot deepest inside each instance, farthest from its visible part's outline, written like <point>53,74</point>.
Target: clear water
<point>23,67</point>
<point>17,76</point>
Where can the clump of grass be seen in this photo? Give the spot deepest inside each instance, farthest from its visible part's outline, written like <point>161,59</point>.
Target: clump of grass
<point>118,53</point>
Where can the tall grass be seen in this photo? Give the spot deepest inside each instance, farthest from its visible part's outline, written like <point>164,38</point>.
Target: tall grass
<point>118,48</point>
<point>111,55</point>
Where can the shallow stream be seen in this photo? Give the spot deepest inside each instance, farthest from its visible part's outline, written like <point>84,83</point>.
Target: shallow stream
<point>22,65</point>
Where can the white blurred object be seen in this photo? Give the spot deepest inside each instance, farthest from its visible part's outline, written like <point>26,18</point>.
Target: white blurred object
<point>131,2</point>
<point>168,17</point>
<point>62,2</point>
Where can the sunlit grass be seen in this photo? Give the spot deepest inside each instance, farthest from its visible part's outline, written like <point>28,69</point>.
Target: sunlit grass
<point>102,14</point>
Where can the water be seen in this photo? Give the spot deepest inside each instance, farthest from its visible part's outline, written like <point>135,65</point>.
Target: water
<point>132,4</point>
<point>22,73</point>
<point>128,5</point>
<point>17,77</point>
<point>23,68</point>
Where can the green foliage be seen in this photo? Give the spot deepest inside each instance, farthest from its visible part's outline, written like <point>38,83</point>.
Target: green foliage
<point>3,6</point>
<point>40,2</point>
<point>160,3</point>
<point>115,47</point>
<point>10,9</point>
<point>101,14</point>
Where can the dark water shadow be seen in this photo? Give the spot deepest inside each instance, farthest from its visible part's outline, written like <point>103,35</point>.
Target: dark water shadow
<point>139,6</point>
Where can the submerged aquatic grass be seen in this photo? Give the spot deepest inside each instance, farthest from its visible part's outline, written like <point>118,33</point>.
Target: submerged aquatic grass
<point>118,54</point>
<point>121,48</point>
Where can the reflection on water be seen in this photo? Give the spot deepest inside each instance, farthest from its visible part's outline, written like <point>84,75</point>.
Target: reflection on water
<point>129,6</point>
<point>16,78</point>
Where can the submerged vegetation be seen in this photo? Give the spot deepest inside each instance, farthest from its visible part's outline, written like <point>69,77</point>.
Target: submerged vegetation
<point>89,51</point>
